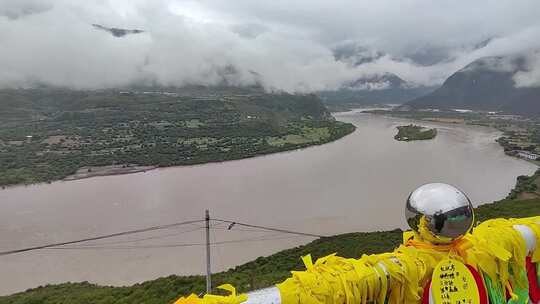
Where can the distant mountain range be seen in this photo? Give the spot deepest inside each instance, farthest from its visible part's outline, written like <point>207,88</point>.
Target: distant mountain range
<point>485,84</point>
<point>376,89</point>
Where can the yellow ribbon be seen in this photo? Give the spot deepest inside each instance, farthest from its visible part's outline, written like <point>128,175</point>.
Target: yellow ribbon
<point>494,247</point>
<point>213,299</point>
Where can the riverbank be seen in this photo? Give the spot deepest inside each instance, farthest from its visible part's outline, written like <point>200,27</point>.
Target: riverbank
<point>87,172</point>
<point>260,273</point>
<point>308,137</point>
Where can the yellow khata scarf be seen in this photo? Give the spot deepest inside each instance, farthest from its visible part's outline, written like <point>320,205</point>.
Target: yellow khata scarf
<point>494,248</point>
<point>212,299</point>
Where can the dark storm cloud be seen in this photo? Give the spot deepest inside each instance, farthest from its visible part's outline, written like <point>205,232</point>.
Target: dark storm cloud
<point>286,45</point>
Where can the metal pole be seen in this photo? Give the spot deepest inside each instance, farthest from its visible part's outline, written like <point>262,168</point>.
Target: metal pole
<point>208,268</point>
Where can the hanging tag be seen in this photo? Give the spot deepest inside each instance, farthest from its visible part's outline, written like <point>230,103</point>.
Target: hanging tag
<point>453,283</point>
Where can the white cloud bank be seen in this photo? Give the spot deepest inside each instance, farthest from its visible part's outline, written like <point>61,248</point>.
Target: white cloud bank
<point>285,45</point>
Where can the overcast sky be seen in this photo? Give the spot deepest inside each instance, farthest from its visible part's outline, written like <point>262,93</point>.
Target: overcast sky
<point>293,45</point>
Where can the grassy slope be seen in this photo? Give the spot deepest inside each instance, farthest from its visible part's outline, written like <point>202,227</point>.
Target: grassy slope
<point>264,271</point>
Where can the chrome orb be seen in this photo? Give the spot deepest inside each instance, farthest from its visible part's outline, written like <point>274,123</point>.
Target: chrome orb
<point>439,213</point>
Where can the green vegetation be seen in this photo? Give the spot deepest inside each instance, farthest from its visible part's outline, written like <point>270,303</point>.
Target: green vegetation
<point>305,136</point>
<point>49,134</point>
<point>527,187</point>
<point>522,201</point>
<point>262,272</point>
<point>414,132</point>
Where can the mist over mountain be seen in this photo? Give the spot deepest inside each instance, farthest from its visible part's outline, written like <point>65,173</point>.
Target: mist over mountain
<point>300,46</point>
<point>502,83</point>
<point>355,54</point>
<point>383,88</point>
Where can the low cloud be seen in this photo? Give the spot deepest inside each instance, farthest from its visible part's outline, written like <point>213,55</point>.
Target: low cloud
<point>297,47</point>
<point>531,77</point>
<point>20,8</point>
<point>249,30</point>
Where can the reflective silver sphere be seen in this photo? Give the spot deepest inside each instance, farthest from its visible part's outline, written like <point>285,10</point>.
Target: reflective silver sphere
<point>439,213</point>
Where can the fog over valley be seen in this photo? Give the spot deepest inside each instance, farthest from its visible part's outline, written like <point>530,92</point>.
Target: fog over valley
<point>300,46</point>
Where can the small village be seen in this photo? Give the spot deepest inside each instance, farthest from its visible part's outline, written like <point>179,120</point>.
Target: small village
<point>520,136</point>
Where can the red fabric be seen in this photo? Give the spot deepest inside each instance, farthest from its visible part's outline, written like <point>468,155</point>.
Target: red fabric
<point>425,294</point>
<point>534,289</point>
<point>480,284</point>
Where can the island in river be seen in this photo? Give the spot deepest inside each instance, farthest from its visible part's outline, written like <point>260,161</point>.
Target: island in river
<point>414,132</point>
<point>51,134</point>
<point>520,135</point>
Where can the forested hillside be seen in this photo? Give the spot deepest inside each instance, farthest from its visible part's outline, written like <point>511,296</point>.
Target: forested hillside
<point>49,134</point>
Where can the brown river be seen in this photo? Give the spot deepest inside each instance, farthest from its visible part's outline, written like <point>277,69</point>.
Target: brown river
<point>358,183</point>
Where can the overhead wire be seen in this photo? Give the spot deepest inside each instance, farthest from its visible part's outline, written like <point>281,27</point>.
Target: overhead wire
<point>270,228</point>
<point>156,237</point>
<point>113,245</point>
<point>239,229</point>
<point>101,237</point>
<point>259,239</point>
<point>212,226</point>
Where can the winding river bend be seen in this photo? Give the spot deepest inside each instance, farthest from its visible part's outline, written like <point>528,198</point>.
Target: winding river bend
<point>358,183</point>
